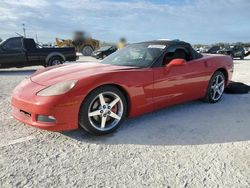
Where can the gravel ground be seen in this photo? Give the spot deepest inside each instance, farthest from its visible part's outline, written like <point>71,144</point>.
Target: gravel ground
<point>189,145</point>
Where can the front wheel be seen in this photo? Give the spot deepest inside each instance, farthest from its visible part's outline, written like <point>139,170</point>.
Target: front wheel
<point>215,88</point>
<point>103,110</point>
<point>242,56</point>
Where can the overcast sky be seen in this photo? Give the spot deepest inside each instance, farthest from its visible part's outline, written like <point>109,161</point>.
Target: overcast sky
<point>195,21</point>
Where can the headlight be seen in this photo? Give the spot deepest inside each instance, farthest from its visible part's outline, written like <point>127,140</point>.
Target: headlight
<point>58,89</point>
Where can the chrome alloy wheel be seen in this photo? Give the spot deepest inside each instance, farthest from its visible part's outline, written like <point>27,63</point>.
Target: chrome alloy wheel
<point>105,111</point>
<point>217,87</point>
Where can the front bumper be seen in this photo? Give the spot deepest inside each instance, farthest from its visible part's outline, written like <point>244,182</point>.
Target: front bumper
<point>27,107</point>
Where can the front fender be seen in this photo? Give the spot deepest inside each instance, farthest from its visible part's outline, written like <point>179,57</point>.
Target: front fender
<point>138,85</point>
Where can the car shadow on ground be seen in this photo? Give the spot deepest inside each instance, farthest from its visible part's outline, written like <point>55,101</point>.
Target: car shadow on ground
<point>192,123</point>
<point>16,72</point>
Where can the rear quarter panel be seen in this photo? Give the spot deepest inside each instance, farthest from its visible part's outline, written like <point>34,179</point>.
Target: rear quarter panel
<point>216,62</point>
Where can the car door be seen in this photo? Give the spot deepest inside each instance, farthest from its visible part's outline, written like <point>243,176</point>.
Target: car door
<point>33,52</point>
<point>12,53</point>
<point>176,84</point>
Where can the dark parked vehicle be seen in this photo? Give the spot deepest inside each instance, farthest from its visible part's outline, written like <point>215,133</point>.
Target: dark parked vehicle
<point>104,52</point>
<point>22,52</point>
<point>213,50</point>
<point>234,51</point>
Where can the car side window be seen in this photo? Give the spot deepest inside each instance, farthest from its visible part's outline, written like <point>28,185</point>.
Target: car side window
<point>175,53</point>
<point>13,44</point>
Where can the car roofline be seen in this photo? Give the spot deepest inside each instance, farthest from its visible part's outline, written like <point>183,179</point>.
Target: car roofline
<point>163,42</point>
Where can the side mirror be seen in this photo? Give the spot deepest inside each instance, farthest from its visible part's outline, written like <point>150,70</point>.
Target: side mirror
<point>177,62</point>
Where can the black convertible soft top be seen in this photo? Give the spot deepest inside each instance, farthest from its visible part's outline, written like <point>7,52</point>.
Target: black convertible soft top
<point>165,42</point>
<point>169,43</point>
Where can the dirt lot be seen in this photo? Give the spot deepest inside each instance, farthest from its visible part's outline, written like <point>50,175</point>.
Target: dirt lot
<point>189,145</point>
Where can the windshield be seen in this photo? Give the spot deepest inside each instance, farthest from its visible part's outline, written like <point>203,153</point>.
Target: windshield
<point>136,55</point>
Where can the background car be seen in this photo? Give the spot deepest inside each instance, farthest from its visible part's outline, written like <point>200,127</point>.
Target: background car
<point>23,52</point>
<point>213,50</point>
<point>104,52</point>
<point>234,51</point>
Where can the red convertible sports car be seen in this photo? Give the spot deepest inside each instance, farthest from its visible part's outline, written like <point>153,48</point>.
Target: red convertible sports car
<point>140,78</point>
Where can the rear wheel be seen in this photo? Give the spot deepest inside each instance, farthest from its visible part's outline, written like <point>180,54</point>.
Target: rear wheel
<point>215,88</point>
<point>55,61</point>
<point>87,50</point>
<point>103,110</point>
<point>242,56</point>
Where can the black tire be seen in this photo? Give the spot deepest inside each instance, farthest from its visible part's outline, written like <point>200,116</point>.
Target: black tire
<point>86,122</point>
<point>87,50</point>
<point>209,94</point>
<point>56,60</point>
<point>242,56</point>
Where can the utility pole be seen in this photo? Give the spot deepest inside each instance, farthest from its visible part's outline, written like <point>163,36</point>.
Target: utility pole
<point>24,30</point>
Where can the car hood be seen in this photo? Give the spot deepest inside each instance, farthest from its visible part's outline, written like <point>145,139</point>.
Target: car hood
<point>76,71</point>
